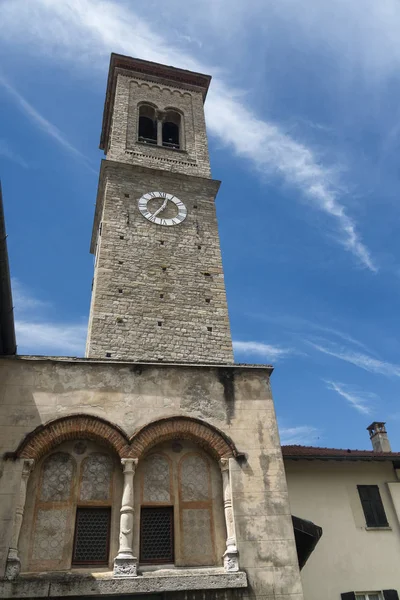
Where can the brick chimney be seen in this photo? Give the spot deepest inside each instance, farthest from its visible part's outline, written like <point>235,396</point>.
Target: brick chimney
<point>379,438</point>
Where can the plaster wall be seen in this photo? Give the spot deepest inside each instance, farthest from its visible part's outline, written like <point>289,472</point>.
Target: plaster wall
<point>237,400</point>
<point>325,492</point>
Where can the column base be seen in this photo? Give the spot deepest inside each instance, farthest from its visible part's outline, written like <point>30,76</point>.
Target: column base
<point>125,566</point>
<point>231,561</point>
<point>13,566</point>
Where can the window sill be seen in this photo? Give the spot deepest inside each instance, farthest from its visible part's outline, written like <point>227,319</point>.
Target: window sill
<point>63,584</point>
<point>174,150</point>
<point>385,528</point>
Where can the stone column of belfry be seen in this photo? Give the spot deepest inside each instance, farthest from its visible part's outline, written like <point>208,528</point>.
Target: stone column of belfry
<point>231,558</point>
<point>13,562</point>
<point>125,563</point>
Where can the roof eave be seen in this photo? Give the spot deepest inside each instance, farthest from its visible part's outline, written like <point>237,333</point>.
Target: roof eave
<point>8,344</point>
<point>181,77</point>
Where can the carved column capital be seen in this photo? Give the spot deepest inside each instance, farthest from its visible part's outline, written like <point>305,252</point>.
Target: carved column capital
<point>224,464</point>
<point>129,465</point>
<point>27,467</point>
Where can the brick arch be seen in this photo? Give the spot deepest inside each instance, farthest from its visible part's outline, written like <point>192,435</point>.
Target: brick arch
<point>45,437</point>
<point>205,435</point>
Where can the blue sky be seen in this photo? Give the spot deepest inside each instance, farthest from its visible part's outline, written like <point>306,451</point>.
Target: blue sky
<point>303,118</point>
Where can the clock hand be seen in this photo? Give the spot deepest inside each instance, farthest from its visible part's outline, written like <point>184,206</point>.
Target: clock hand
<point>163,205</point>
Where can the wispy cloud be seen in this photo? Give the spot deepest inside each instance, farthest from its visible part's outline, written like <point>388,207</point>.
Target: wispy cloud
<point>36,334</point>
<point>259,349</point>
<point>40,121</point>
<point>295,324</point>
<point>7,152</point>
<point>358,399</point>
<point>87,30</point>
<point>24,301</point>
<point>368,363</point>
<point>51,338</point>
<point>303,434</point>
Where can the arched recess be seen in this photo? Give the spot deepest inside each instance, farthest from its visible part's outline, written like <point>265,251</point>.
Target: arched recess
<point>45,437</point>
<point>205,435</point>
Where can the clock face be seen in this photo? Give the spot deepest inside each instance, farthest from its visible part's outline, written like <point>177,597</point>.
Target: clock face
<point>162,208</point>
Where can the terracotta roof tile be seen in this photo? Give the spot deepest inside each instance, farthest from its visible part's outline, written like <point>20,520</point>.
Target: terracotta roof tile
<point>313,452</point>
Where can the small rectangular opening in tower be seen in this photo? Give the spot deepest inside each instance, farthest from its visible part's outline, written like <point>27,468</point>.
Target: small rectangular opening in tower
<point>126,195</point>
<point>161,242</point>
<point>161,295</point>
<point>121,237</point>
<point>209,328</point>
<point>120,290</point>
<point>159,323</point>
<point>208,300</point>
<point>207,274</point>
<point>164,269</point>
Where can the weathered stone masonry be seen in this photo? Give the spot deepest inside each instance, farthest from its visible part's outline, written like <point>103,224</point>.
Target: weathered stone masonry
<point>158,292</point>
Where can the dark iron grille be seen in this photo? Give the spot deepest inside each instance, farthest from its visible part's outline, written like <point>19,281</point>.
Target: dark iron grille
<point>92,532</point>
<point>156,535</point>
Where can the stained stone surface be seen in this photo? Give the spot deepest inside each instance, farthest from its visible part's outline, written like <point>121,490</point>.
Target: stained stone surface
<point>96,477</point>
<point>156,479</point>
<point>57,477</point>
<point>197,542</point>
<point>48,541</point>
<point>194,479</point>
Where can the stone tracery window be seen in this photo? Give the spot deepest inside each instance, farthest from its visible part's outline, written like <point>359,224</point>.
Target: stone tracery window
<point>74,486</point>
<point>183,479</point>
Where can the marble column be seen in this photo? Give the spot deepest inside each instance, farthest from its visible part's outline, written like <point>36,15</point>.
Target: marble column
<point>125,563</point>
<point>13,566</point>
<point>231,555</point>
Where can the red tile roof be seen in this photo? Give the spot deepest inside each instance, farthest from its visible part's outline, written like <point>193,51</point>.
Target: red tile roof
<point>296,452</point>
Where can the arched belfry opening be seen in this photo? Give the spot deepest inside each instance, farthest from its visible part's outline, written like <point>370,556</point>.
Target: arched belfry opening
<point>171,130</point>
<point>147,124</point>
<point>160,128</point>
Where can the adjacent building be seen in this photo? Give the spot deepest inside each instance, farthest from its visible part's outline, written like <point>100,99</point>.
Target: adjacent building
<point>354,496</point>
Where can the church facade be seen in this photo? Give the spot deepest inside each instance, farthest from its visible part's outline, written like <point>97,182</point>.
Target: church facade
<point>152,466</point>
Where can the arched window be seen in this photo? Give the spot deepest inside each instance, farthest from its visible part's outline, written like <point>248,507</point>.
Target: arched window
<point>171,130</point>
<point>179,500</point>
<point>72,511</point>
<point>147,125</point>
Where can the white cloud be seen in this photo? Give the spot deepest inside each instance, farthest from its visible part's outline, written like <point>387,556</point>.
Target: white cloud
<point>303,434</point>
<point>265,351</point>
<point>50,338</point>
<point>359,400</point>
<point>24,301</point>
<point>36,334</point>
<point>368,363</point>
<point>87,30</point>
<point>7,152</point>
<point>43,124</point>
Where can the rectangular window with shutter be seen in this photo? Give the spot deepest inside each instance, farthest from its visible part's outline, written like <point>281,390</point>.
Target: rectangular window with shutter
<point>372,506</point>
<point>384,595</point>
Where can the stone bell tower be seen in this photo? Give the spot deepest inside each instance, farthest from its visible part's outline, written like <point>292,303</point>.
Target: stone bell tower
<point>158,289</point>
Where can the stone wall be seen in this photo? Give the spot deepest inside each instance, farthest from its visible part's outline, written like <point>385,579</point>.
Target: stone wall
<point>235,399</point>
<point>193,159</point>
<point>158,292</point>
